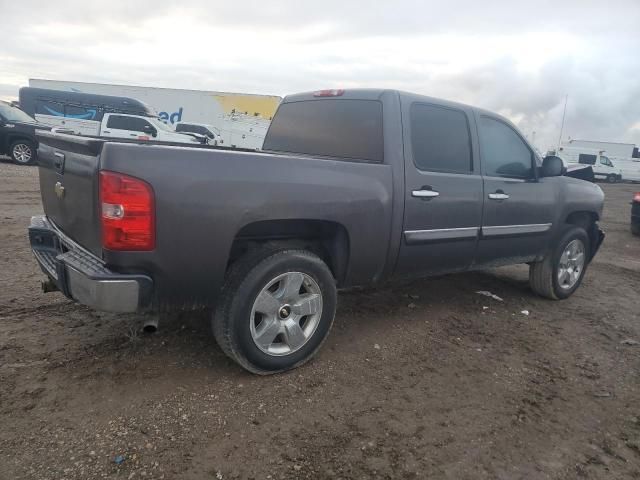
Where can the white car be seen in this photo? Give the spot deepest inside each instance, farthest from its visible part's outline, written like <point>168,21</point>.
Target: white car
<point>140,128</point>
<point>211,133</point>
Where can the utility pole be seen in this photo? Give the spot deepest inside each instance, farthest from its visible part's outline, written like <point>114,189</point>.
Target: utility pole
<point>564,112</point>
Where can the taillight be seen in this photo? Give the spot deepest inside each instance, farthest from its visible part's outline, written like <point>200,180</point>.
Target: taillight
<point>329,93</point>
<point>636,197</point>
<point>127,212</point>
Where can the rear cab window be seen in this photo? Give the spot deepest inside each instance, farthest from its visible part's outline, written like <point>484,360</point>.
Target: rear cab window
<point>338,128</point>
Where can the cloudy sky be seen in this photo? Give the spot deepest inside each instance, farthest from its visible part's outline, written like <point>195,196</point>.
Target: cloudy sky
<point>514,57</point>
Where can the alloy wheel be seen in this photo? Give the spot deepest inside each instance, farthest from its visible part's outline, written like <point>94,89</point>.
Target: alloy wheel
<point>286,313</point>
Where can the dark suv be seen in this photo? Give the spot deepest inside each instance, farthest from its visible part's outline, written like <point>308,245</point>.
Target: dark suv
<point>17,134</point>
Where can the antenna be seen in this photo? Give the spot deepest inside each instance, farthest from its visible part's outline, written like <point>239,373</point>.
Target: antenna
<point>566,99</point>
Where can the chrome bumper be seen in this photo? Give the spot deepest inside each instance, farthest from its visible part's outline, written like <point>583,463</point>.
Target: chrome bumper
<point>82,276</point>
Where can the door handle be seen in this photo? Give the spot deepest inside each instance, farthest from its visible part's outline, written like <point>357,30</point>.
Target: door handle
<point>499,195</point>
<point>425,193</point>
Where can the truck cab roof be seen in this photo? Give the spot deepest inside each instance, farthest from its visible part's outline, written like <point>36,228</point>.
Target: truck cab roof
<point>378,93</point>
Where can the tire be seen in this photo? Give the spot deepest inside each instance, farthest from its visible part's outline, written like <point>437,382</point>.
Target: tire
<point>612,178</point>
<point>544,275</point>
<point>23,152</point>
<point>277,345</point>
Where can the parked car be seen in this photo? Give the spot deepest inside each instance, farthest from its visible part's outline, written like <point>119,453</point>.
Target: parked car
<point>354,187</point>
<point>98,115</point>
<point>635,214</point>
<point>18,134</point>
<point>211,133</point>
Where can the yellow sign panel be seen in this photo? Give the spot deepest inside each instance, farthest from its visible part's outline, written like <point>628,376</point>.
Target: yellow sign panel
<point>251,105</point>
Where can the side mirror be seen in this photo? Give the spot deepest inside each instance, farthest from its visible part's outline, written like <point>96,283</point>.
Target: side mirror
<point>148,129</point>
<point>552,166</point>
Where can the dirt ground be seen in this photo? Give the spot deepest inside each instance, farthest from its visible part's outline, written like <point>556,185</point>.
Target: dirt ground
<point>421,380</point>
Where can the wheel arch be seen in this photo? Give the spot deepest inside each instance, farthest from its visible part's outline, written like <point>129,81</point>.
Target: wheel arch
<point>14,137</point>
<point>327,239</point>
<point>586,220</point>
<point>582,218</point>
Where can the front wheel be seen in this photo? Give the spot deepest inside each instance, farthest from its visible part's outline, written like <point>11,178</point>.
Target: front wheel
<point>612,178</point>
<point>275,310</point>
<point>23,152</point>
<point>562,270</point>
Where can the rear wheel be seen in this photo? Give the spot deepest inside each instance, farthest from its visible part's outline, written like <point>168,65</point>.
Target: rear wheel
<point>23,152</point>
<point>276,309</point>
<point>562,270</point>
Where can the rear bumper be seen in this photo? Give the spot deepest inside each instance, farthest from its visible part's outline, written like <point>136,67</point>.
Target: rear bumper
<point>82,276</point>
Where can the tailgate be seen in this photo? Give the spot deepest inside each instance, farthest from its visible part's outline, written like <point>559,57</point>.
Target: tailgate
<point>68,167</point>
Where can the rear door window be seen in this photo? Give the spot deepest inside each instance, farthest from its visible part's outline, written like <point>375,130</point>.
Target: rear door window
<point>440,139</point>
<point>341,128</point>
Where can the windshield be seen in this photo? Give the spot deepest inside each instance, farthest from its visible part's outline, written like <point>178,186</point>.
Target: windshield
<point>14,114</point>
<point>160,125</point>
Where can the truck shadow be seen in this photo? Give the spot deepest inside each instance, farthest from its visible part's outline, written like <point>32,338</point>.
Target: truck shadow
<point>184,341</point>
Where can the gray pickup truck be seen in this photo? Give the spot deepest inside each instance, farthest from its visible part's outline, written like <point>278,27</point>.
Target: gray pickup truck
<point>352,188</point>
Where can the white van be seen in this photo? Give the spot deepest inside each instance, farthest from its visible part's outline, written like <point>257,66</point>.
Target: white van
<point>245,131</point>
<point>630,168</point>
<point>603,167</point>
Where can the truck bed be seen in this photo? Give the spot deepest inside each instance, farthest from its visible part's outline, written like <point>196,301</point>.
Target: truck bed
<point>207,196</point>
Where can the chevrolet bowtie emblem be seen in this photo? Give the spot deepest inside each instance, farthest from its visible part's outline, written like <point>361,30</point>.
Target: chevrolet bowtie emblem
<point>59,189</point>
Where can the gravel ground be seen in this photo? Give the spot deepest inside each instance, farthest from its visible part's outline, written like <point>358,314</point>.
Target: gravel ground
<point>417,380</point>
